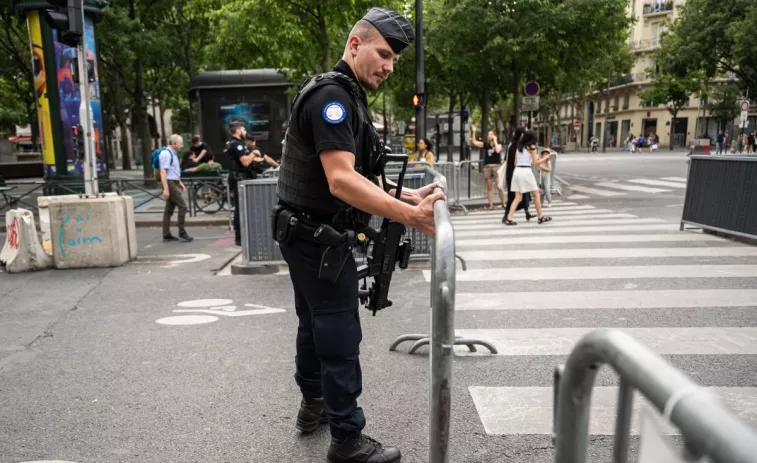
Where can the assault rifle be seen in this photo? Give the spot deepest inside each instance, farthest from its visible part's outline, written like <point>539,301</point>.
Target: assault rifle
<point>384,248</point>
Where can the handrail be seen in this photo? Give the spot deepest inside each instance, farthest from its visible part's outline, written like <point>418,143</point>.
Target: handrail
<point>708,428</point>
<point>442,327</point>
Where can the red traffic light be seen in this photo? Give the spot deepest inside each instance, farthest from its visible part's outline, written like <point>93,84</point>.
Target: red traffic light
<point>418,100</point>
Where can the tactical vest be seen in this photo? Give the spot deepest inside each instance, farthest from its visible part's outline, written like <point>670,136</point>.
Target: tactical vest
<point>237,171</point>
<point>302,180</point>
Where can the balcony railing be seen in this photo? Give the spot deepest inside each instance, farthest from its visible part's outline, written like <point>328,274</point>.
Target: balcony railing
<point>646,44</point>
<point>636,77</point>
<point>657,8</point>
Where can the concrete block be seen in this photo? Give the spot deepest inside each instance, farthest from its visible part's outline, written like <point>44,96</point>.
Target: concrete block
<point>22,251</point>
<point>43,204</point>
<point>131,227</point>
<point>89,232</point>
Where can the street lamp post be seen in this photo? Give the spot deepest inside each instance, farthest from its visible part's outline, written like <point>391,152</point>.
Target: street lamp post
<point>420,110</point>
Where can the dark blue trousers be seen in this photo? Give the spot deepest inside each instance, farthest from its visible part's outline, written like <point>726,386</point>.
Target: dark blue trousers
<point>328,336</point>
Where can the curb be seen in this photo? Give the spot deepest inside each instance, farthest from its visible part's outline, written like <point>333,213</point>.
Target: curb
<point>256,268</point>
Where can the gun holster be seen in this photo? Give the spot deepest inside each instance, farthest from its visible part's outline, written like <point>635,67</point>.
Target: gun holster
<point>284,225</point>
<point>338,249</point>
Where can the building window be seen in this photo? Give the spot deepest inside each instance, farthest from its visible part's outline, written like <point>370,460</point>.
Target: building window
<point>617,100</point>
<point>598,107</point>
<point>626,100</point>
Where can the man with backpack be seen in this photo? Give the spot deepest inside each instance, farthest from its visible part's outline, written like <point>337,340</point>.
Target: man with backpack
<point>167,161</point>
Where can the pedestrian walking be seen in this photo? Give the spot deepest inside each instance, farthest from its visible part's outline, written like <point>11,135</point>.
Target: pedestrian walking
<point>331,148</point>
<point>173,188</point>
<point>512,149</point>
<point>523,178</point>
<point>492,150</point>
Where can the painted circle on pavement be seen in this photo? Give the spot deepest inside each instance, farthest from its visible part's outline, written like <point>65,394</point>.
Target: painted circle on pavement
<point>205,303</point>
<point>187,320</point>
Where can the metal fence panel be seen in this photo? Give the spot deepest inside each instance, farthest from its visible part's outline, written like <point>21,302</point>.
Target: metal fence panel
<point>256,201</point>
<point>721,194</point>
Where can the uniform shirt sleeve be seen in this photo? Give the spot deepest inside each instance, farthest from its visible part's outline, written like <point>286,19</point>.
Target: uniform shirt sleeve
<point>330,117</point>
<point>165,159</point>
<point>237,151</point>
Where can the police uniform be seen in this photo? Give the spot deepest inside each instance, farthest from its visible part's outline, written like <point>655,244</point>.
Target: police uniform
<point>237,173</point>
<point>330,112</point>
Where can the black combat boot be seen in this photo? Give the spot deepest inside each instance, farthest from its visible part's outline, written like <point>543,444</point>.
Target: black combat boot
<point>361,449</point>
<point>311,415</point>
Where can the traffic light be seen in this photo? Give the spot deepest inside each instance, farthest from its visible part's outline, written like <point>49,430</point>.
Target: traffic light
<point>78,138</point>
<point>67,19</point>
<point>418,100</point>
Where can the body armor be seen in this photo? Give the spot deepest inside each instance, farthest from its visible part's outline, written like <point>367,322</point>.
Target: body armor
<point>302,180</point>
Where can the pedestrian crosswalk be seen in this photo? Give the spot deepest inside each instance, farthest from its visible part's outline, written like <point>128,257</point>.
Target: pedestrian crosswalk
<point>605,189</point>
<point>533,290</point>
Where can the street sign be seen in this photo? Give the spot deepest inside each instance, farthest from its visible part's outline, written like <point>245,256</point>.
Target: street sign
<point>576,124</point>
<point>744,124</point>
<point>530,103</point>
<point>402,127</point>
<point>532,88</point>
<point>744,115</point>
<point>744,105</point>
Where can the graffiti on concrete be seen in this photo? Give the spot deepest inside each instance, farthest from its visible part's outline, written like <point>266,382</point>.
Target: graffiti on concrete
<point>13,239</point>
<point>75,225</point>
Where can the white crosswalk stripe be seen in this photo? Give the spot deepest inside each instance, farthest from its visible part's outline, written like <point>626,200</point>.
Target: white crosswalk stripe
<point>675,179</point>
<point>596,268</point>
<point>612,253</point>
<point>595,191</point>
<point>528,410</point>
<point>645,181</point>
<point>620,186</point>
<point>558,239</point>
<point>496,221</point>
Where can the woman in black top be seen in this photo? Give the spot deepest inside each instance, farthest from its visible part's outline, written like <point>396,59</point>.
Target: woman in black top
<point>492,150</point>
<point>510,170</point>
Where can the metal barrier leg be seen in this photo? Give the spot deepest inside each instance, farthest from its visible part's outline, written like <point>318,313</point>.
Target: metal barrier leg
<point>623,422</point>
<point>443,328</point>
<point>406,337</point>
<point>555,389</point>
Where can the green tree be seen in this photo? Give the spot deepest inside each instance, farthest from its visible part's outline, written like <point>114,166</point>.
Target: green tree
<point>722,104</point>
<point>714,37</point>
<point>16,77</point>
<point>673,92</point>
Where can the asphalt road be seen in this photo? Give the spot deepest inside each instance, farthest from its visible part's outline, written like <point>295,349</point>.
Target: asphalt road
<point>88,374</point>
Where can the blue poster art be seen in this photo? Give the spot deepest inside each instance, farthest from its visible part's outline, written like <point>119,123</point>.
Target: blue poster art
<point>68,90</point>
<point>256,115</point>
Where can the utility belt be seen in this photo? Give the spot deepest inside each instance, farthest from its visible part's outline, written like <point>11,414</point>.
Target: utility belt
<point>289,225</point>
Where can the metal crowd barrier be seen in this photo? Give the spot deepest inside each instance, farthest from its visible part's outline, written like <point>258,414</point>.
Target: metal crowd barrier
<point>721,194</point>
<point>208,194</point>
<point>708,428</point>
<point>424,339</point>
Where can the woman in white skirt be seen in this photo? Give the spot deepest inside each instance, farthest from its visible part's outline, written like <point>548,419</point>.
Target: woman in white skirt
<point>523,178</point>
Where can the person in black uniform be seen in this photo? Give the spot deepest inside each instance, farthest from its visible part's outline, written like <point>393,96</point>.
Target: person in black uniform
<point>328,172</point>
<point>241,159</point>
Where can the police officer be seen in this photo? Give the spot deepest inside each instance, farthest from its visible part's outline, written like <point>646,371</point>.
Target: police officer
<point>330,159</point>
<point>241,159</point>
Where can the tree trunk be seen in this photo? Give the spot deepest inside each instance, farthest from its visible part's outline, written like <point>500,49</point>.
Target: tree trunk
<point>161,110</point>
<point>124,146</point>
<point>139,115</point>
<point>31,118</point>
<point>672,128</point>
<point>463,153</point>
<point>450,122</point>
<point>516,95</point>
<point>326,57</point>
<point>485,113</point>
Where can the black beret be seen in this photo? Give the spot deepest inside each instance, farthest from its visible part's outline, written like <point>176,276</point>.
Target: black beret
<point>236,122</point>
<point>393,26</point>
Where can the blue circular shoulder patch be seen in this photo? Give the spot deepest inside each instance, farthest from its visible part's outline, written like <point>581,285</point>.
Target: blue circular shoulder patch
<point>334,112</point>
